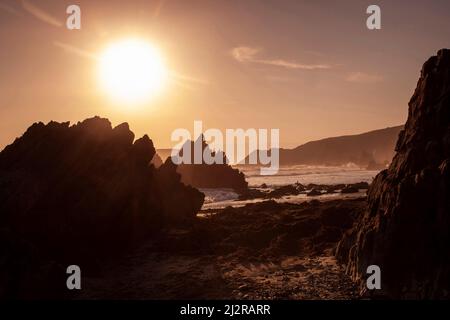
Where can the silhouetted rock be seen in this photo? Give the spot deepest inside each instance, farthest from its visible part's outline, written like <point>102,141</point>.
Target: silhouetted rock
<point>314,192</point>
<point>406,229</point>
<point>156,161</point>
<point>287,190</point>
<point>76,194</point>
<point>252,194</point>
<point>300,187</point>
<point>215,175</point>
<point>349,189</point>
<point>360,185</point>
<point>180,202</point>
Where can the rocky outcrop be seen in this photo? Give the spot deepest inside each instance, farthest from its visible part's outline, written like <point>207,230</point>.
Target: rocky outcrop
<point>215,175</point>
<point>156,161</point>
<point>76,194</point>
<point>406,228</point>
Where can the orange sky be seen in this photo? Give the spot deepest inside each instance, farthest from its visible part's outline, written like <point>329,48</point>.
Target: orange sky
<point>309,68</point>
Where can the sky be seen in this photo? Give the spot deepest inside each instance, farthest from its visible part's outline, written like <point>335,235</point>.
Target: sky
<point>311,69</point>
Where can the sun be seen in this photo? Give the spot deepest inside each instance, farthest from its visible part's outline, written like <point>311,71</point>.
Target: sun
<point>132,71</point>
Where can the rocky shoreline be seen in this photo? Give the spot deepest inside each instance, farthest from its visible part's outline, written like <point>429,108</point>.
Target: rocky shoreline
<point>310,190</point>
<point>264,250</point>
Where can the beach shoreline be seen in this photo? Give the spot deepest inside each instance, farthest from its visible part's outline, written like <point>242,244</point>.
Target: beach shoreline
<point>265,250</point>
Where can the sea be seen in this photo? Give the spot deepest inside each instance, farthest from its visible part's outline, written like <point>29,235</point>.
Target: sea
<point>304,174</point>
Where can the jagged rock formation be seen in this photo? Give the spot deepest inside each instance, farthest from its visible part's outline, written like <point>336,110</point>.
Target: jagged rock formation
<point>75,194</point>
<point>156,161</point>
<point>215,175</point>
<point>406,228</point>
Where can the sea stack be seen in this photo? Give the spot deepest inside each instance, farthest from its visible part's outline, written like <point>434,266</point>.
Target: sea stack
<point>406,227</point>
<point>215,175</point>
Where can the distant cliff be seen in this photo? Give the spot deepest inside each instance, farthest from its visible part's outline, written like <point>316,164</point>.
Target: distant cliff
<point>372,149</point>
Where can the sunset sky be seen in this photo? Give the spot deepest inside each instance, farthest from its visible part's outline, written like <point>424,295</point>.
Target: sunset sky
<point>310,68</point>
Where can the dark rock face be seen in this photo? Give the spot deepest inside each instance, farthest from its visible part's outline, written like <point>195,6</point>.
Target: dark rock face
<point>79,193</point>
<point>252,194</point>
<point>156,161</point>
<point>406,228</point>
<point>216,175</point>
<point>349,189</point>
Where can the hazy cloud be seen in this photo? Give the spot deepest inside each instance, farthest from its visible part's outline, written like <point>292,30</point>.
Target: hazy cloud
<point>74,50</point>
<point>362,77</point>
<point>244,54</point>
<point>7,8</point>
<point>187,82</point>
<point>159,6</point>
<point>41,14</point>
<point>280,79</point>
<point>186,78</point>
<point>249,54</point>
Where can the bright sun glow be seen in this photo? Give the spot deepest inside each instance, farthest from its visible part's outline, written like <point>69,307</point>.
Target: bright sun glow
<point>132,71</point>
